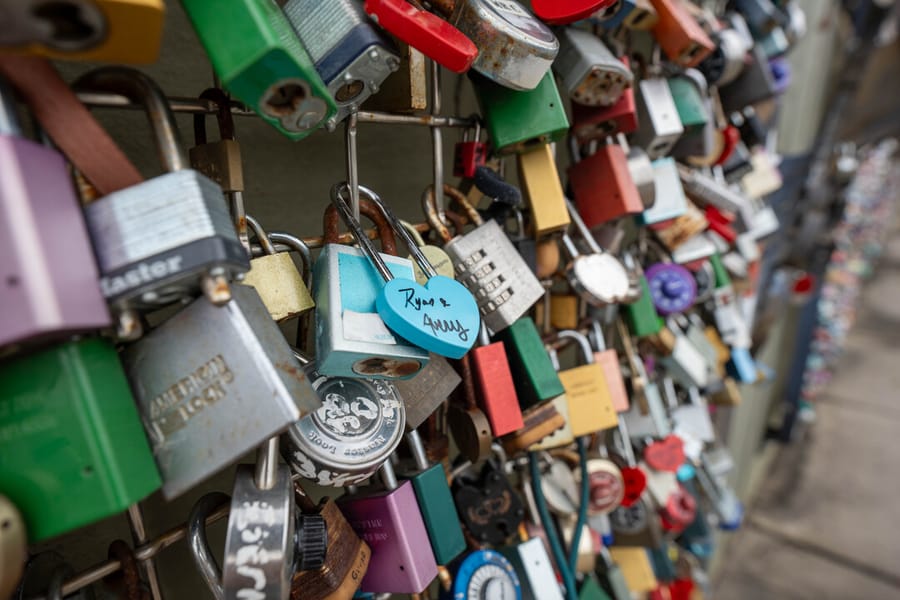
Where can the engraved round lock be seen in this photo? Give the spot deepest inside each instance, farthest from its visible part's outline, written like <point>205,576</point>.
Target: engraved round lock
<point>607,488</point>
<point>359,424</point>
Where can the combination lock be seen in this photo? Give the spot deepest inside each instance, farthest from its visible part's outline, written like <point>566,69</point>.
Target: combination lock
<point>485,575</point>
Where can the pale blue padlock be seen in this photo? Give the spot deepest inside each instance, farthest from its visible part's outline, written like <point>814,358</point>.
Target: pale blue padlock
<point>670,199</point>
<point>440,316</point>
<point>741,365</point>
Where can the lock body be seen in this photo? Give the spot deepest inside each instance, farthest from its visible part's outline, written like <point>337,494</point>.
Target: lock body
<point>405,90</point>
<point>755,84</point>
<point>351,339</point>
<point>498,392</point>
<point>694,112</point>
<point>49,268</point>
<point>609,362</point>
<point>116,31</point>
<point>589,401</point>
<point>670,200</point>
<point>260,60</point>
<point>596,123</point>
<point>603,187</point>
<point>438,513</point>
<point>202,402</point>
<point>680,35</point>
<point>427,390</point>
<point>540,180</point>
<point>351,54</point>
<point>280,286</point>
<point>659,126</point>
<point>641,315</point>
<point>73,451</point>
<point>535,378</point>
<point>520,120</point>
<point>591,74</point>
<point>487,504</point>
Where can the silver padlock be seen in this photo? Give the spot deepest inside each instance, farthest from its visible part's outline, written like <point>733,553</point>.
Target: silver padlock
<point>351,54</point>
<point>686,364</point>
<point>425,392</point>
<point>726,62</point>
<point>488,264</point>
<point>670,200</point>
<point>658,124</point>
<point>213,382</point>
<point>707,190</point>
<point>591,74</point>
<point>169,237</point>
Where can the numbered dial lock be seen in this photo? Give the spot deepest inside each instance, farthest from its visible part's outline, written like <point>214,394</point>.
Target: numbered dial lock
<point>485,575</point>
<point>672,288</point>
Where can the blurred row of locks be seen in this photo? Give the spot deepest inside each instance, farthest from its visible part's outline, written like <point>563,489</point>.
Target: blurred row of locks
<point>513,396</point>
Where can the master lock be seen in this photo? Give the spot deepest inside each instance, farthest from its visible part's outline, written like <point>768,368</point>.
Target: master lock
<point>519,120</point>
<point>203,403</point>
<point>591,74</point>
<point>351,54</point>
<point>73,451</point>
<point>488,506</point>
<point>495,386</point>
<point>608,359</point>
<point>116,31</point>
<point>540,180</point>
<point>50,277</point>
<point>390,521</point>
<point>679,34</point>
<point>670,200</point>
<point>488,265</point>
<point>345,440</point>
<point>351,338</point>
<point>163,239</point>
<point>603,187</point>
<point>591,123</point>
<point>514,49</point>
<point>587,392</point>
<point>256,53</point>
<point>535,378</point>
<point>659,126</point>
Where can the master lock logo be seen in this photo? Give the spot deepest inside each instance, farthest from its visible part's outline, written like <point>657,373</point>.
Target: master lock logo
<point>140,274</point>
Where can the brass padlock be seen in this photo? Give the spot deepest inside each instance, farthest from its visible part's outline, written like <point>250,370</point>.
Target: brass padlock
<point>540,181</point>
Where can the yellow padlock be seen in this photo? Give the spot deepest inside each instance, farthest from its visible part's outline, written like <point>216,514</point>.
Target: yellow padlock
<point>119,31</point>
<point>636,568</point>
<point>540,183</point>
<point>590,402</point>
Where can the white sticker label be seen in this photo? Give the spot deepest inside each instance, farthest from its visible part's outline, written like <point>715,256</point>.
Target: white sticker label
<point>366,327</point>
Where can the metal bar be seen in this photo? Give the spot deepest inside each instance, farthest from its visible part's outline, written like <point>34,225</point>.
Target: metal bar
<point>139,536</point>
<point>350,139</point>
<point>343,238</point>
<point>437,142</point>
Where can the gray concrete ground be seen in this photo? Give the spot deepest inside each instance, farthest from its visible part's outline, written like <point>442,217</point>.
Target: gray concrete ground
<point>826,520</point>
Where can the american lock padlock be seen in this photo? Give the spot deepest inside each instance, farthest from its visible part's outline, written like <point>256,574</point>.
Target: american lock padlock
<point>61,468</point>
<point>540,181</point>
<point>49,290</point>
<point>257,55</point>
<point>276,279</point>
<point>608,359</point>
<point>680,35</point>
<point>658,124</point>
<point>351,338</point>
<point>488,506</point>
<point>13,547</point>
<point>343,442</point>
<point>517,121</point>
<point>591,73</point>
<point>496,389</point>
<point>487,264</point>
<point>166,238</point>
<point>389,520</point>
<point>351,54</point>
<point>194,390</point>
<point>617,196</point>
<point>587,392</point>
<point>116,31</point>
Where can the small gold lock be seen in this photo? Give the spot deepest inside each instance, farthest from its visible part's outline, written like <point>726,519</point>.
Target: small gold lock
<point>540,182</point>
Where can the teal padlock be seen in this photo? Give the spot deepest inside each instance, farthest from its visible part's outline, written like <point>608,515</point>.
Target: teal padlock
<point>72,448</point>
<point>259,58</point>
<point>534,376</point>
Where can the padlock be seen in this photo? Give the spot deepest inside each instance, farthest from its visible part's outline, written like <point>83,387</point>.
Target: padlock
<point>658,124</point>
<point>404,91</point>
<point>590,404</point>
<point>590,589</point>
<point>596,123</point>
<point>603,187</point>
<point>641,316</point>
<point>351,54</point>
<point>647,417</point>
<point>520,120</point>
<point>607,486</point>
<point>612,574</point>
<point>435,255</point>
<point>539,421</point>
<point>608,359</point>
<point>487,264</point>
<point>679,510</point>
<point>13,547</point>
<point>761,15</point>
<point>531,561</point>
<point>483,573</point>
<point>427,390</point>
<point>496,389</point>
<point>755,84</point>
<point>764,178</point>
<point>564,13</point>
<point>277,280</point>
<point>257,55</point>
<point>679,34</point>
<point>634,478</point>
<point>709,191</point>
<point>612,16</point>
<point>351,338</point>
<point>726,62</point>
<point>489,507</point>
<point>636,525</point>
<point>73,451</point>
<point>468,424</point>
<point>673,233</point>
<point>469,154</point>
<point>564,311</point>
<point>435,503</point>
<point>590,72</point>
<point>686,364</point>
<point>670,199</point>
<point>50,276</point>
<point>429,34</point>
<point>117,31</point>
<point>515,50</point>
<point>343,442</point>
<point>535,378</point>
<point>665,455</point>
<point>161,240</point>
<point>672,288</point>
<point>561,436</point>
<point>540,180</point>
<point>194,386</point>
<point>391,523</point>
<point>690,93</point>
<point>525,244</point>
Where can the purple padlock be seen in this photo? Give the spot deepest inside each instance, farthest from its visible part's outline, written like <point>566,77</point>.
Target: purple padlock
<point>391,524</point>
<point>49,282</point>
<point>672,288</point>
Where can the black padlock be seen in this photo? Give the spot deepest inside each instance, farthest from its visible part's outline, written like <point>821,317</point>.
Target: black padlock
<point>488,505</point>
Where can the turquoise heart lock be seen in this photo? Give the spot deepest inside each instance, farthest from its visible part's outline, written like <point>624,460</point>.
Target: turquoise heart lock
<point>440,316</point>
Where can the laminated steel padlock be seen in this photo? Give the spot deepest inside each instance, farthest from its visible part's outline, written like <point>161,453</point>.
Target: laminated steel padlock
<point>489,507</point>
<point>391,523</point>
<point>587,393</point>
<point>488,265</point>
<point>658,124</point>
<point>515,50</point>
<point>277,280</point>
<point>50,287</point>
<point>496,389</point>
<point>469,154</point>
<point>596,123</point>
<point>670,200</point>
<point>257,55</point>
<point>117,31</point>
<point>519,120</point>
<point>482,574</point>
<point>608,359</point>
<point>73,451</point>
<point>535,378</point>
<point>540,180</point>
<point>163,239</point>
<point>679,34</point>
<point>531,561</point>
<point>203,403</point>
<point>590,72</point>
<point>603,187</point>
<point>359,424</point>
<point>352,55</point>
<point>13,547</point>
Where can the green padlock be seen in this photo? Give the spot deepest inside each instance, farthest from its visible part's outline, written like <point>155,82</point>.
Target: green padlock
<point>72,448</point>
<point>535,378</point>
<point>520,121</point>
<point>590,589</point>
<point>641,316</point>
<point>257,55</point>
<point>692,109</point>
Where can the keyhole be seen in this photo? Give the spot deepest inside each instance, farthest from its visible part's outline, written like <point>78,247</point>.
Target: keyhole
<point>6,524</point>
<point>12,281</point>
<point>67,21</point>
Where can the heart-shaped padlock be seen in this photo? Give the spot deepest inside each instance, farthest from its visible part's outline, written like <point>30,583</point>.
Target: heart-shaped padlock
<point>666,454</point>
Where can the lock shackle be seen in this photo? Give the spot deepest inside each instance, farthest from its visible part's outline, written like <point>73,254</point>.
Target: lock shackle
<point>223,116</point>
<point>583,229</point>
<point>357,231</point>
<point>142,90</point>
<point>119,550</point>
<point>366,207</point>
<point>300,247</point>
<point>199,544</point>
<point>417,448</point>
<point>261,236</point>
<point>388,476</point>
<point>597,336</point>
<point>582,342</point>
<point>9,118</point>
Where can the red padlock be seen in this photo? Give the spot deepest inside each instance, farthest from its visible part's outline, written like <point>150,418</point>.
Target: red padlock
<point>432,36</point>
<point>468,154</point>
<point>563,12</point>
<point>731,135</point>
<point>495,382</point>
<point>720,222</point>
<point>603,187</point>
<point>680,510</point>
<point>666,454</point>
<point>597,122</point>
<point>635,481</point>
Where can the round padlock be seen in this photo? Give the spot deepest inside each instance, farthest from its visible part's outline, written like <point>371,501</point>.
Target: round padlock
<point>485,574</point>
<point>679,511</point>
<point>607,487</point>
<point>672,288</point>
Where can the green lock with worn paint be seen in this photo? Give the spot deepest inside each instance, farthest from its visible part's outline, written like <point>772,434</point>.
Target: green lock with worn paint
<point>533,374</point>
<point>260,60</point>
<point>693,111</point>
<point>72,448</point>
<point>641,316</point>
